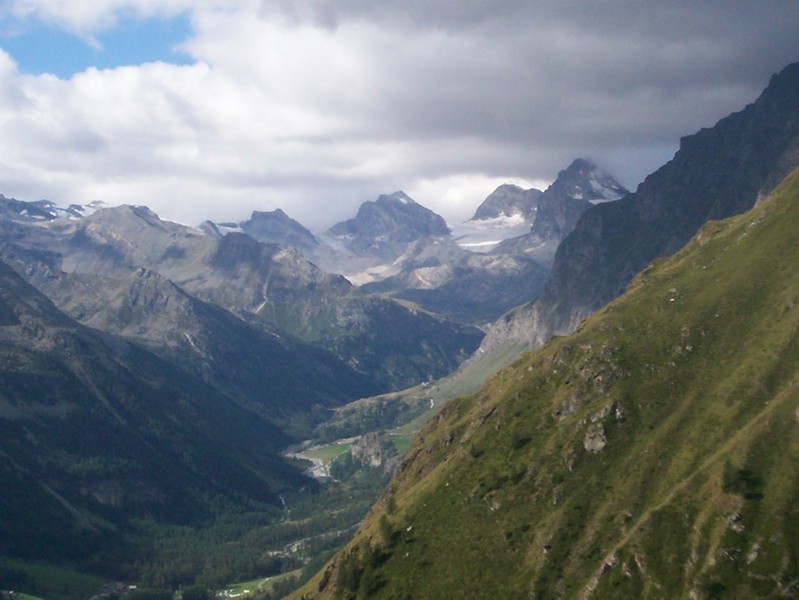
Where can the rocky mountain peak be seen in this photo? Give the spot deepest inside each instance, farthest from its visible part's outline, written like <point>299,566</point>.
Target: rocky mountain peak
<point>584,180</point>
<point>578,187</point>
<point>126,216</point>
<point>276,227</point>
<point>508,201</point>
<point>384,227</point>
<point>17,210</point>
<point>44,210</point>
<point>717,172</point>
<point>398,196</point>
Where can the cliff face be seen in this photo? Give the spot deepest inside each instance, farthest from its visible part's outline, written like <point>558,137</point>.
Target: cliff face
<point>718,172</point>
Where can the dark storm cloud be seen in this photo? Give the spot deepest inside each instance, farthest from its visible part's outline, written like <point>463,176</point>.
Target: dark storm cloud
<point>563,78</point>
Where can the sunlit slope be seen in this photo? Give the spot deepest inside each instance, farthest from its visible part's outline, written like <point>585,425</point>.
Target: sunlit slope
<point>653,454</point>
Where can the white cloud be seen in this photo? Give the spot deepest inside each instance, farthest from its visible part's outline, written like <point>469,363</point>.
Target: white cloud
<point>316,107</point>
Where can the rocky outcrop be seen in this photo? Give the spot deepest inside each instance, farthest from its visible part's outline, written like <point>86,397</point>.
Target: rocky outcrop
<point>595,440</point>
<point>372,451</point>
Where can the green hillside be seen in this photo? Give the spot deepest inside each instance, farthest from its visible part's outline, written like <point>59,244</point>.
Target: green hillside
<point>653,454</point>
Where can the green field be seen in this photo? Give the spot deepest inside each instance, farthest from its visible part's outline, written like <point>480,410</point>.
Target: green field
<point>329,452</point>
<point>250,589</point>
<point>37,581</point>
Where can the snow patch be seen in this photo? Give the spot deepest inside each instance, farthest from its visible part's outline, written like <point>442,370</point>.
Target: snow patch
<point>486,234</point>
<point>225,228</point>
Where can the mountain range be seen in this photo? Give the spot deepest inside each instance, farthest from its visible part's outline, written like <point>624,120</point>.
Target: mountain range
<point>79,263</point>
<point>440,275</point>
<point>647,455</point>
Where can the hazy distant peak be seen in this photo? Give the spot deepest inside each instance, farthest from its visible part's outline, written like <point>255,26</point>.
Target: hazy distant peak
<point>584,180</point>
<point>508,201</point>
<point>398,196</point>
<point>383,227</point>
<point>127,216</point>
<point>276,227</point>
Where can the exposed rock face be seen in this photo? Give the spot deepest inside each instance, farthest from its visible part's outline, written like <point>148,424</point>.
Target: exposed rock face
<point>276,227</point>
<point>578,187</point>
<point>716,173</point>
<point>509,200</point>
<point>595,440</point>
<point>385,227</point>
<point>372,452</point>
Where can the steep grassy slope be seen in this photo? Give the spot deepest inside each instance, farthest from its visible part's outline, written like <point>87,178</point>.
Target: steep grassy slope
<point>650,455</point>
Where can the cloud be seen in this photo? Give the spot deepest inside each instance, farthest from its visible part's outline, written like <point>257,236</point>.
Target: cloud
<point>317,106</point>
<point>86,18</point>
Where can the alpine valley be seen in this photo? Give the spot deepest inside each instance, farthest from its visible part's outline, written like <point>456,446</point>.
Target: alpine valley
<point>185,407</point>
<point>156,377</point>
<point>650,454</point>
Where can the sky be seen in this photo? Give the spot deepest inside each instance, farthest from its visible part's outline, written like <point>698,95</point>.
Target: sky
<point>212,109</point>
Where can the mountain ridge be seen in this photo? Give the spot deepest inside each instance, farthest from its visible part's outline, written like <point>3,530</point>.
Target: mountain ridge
<point>717,172</point>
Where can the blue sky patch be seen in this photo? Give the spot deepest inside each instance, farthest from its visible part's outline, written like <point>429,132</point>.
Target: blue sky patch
<point>39,48</point>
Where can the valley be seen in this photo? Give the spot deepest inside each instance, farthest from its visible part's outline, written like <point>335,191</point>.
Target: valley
<point>634,456</point>
<point>579,392</point>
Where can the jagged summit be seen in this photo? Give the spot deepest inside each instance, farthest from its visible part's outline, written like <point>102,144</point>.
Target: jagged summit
<point>508,201</point>
<point>581,180</point>
<point>578,187</point>
<point>276,227</point>
<point>584,180</point>
<point>384,227</point>
<point>717,172</point>
<point>45,210</point>
<point>398,196</point>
